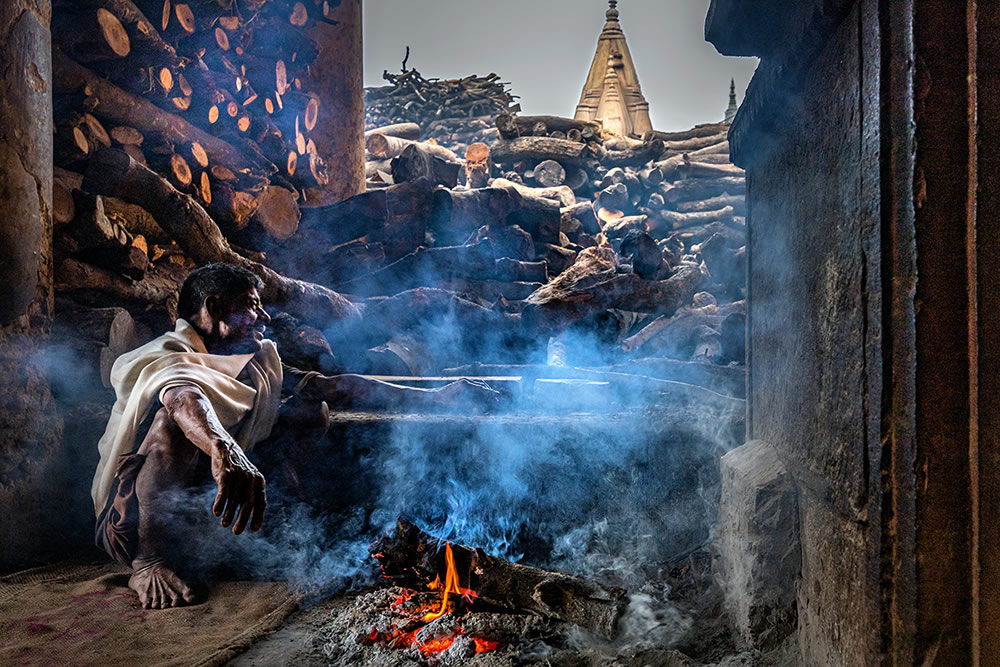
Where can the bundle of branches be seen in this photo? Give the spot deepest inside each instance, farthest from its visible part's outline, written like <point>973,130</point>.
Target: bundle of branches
<point>214,95</point>
<point>469,103</point>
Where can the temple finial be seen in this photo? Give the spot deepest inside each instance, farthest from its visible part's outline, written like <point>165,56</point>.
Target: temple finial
<point>612,13</point>
<point>733,107</point>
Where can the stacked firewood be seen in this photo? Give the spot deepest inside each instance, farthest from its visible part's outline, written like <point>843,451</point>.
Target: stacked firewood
<point>211,94</point>
<point>182,137</point>
<point>455,113</point>
<point>540,237</point>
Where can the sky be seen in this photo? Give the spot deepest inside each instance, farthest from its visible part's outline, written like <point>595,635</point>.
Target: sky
<point>544,48</point>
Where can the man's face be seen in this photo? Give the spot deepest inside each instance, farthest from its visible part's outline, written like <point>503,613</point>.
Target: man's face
<point>240,324</point>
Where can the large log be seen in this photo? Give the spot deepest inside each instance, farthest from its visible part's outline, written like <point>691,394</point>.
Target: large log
<point>114,173</point>
<point>383,147</point>
<point>413,558</point>
<point>560,193</point>
<point>696,132</point>
<point>593,284</point>
<point>688,145</point>
<point>459,213</point>
<point>349,219</point>
<point>416,162</point>
<point>409,131</point>
<point>635,156</point>
<point>538,149</point>
<point>145,38</point>
<point>738,202</point>
<point>511,127</point>
<point>698,189</point>
<point>115,105</point>
<point>112,327</point>
<point>154,297</point>
<point>680,220</point>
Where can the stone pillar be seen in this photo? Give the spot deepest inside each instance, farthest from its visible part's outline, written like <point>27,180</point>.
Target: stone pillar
<point>337,77</point>
<point>25,158</point>
<point>31,512</point>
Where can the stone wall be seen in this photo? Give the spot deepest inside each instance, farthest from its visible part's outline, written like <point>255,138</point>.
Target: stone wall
<point>813,389</point>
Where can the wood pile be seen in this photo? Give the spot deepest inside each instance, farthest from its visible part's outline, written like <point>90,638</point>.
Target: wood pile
<point>454,113</point>
<point>182,136</point>
<point>496,254</point>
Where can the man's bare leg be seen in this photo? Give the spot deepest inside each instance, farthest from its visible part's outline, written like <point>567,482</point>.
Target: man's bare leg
<point>169,467</point>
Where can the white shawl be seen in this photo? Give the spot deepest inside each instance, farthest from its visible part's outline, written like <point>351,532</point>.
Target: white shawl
<point>179,358</point>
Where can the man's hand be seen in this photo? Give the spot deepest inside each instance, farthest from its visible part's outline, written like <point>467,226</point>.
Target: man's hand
<point>241,488</point>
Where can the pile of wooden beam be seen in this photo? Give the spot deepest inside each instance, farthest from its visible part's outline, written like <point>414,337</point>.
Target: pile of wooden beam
<point>454,113</point>
<point>490,255</point>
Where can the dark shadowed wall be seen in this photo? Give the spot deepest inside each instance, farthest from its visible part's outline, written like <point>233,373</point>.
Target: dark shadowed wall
<point>867,134</point>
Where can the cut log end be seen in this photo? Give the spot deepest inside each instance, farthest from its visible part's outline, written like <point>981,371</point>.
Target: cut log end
<point>113,32</point>
<point>186,17</point>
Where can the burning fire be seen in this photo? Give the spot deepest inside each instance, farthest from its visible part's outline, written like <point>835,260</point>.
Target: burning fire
<point>451,585</point>
<point>395,637</point>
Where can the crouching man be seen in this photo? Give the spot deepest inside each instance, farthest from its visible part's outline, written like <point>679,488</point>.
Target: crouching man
<point>193,402</point>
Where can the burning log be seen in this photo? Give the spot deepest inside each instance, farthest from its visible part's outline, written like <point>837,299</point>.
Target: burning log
<point>412,557</point>
<point>113,172</point>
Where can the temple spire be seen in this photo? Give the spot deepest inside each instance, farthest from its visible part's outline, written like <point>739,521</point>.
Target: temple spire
<point>611,93</point>
<point>733,107</point>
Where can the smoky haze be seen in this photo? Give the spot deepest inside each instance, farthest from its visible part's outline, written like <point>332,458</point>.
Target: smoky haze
<point>544,48</point>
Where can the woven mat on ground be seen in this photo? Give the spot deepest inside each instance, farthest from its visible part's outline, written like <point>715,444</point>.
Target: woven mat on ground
<point>86,615</point>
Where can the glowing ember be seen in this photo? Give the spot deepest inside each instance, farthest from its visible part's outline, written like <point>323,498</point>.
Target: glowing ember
<point>437,645</point>
<point>484,645</point>
<point>395,638</point>
<point>451,585</point>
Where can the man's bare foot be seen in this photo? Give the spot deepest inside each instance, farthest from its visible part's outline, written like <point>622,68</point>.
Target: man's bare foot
<point>158,586</point>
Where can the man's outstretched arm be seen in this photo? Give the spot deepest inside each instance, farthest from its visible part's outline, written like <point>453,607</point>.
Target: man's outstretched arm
<point>240,484</point>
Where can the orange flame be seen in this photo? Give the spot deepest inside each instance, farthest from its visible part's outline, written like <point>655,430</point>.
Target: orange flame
<point>451,585</point>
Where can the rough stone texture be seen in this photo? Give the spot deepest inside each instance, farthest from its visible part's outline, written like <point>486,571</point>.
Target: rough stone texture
<point>815,324</point>
<point>25,157</point>
<point>30,429</point>
<point>758,545</point>
<point>337,77</point>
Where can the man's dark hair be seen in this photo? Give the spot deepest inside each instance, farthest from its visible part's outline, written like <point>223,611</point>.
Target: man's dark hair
<point>221,280</point>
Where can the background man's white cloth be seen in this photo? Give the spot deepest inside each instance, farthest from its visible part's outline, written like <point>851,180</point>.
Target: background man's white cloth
<point>179,358</point>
